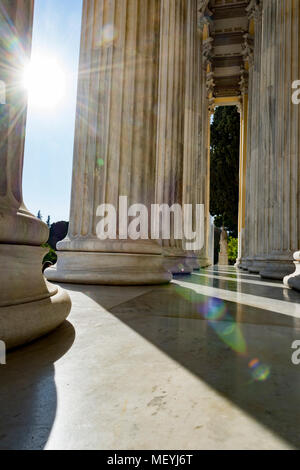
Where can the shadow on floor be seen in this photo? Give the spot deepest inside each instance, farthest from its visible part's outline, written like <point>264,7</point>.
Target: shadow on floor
<point>218,341</point>
<point>29,399</point>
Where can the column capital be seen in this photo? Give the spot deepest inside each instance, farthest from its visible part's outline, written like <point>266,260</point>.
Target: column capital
<point>248,49</point>
<point>244,82</point>
<point>204,14</point>
<point>203,9</point>
<point>254,10</point>
<point>207,52</point>
<point>210,84</point>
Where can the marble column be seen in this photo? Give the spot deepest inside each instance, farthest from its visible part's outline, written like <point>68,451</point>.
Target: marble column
<point>245,184</point>
<point>203,169</point>
<point>29,305</point>
<point>271,219</point>
<point>206,110</point>
<point>292,12</point>
<point>282,21</point>
<point>196,155</point>
<point>115,143</point>
<point>243,108</point>
<point>174,58</point>
<point>258,176</point>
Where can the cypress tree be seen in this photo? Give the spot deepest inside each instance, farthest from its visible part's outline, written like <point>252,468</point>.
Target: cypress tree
<point>224,180</point>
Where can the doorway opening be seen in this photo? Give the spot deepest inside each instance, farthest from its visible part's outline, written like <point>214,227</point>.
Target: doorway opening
<point>225,179</point>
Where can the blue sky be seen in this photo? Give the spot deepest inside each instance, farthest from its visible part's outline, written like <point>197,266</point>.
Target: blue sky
<point>50,133</point>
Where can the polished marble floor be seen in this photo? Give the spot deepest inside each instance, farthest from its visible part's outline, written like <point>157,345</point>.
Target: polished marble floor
<point>204,363</point>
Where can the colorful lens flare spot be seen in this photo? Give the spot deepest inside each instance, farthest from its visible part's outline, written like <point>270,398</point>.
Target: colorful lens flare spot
<point>260,372</point>
<point>254,363</point>
<point>215,309</point>
<point>230,329</point>
<point>108,34</point>
<point>231,334</point>
<point>100,162</point>
<point>220,320</point>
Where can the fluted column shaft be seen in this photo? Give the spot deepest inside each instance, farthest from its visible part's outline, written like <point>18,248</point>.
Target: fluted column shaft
<point>174,57</point>
<point>258,176</point>
<point>271,212</point>
<point>116,116</point>
<point>205,105</point>
<point>248,196</point>
<point>203,172</point>
<point>196,153</point>
<point>242,173</point>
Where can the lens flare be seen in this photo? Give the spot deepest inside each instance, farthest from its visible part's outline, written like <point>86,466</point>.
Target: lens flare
<point>45,81</point>
<point>100,162</point>
<point>107,35</point>
<point>214,309</point>
<point>254,363</point>
<point>260,372</point>
<point>229,331</point>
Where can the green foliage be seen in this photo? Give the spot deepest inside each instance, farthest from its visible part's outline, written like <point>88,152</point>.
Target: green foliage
<point>58,232</point>
<point>232,250</point>
<point>51,255</point>
<point>224,180</point>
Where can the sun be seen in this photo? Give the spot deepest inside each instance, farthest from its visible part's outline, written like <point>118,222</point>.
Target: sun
<point>45,81</point>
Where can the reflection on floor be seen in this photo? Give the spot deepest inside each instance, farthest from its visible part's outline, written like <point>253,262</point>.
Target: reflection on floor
<point>204,363</point>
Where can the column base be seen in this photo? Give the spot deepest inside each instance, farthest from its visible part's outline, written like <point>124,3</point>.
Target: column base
<point>193,263</point>
<point>293,281</point>
<point>259,263</point>
<point>204,262</point>
<point>177,264</point>
<point>223,260</point>
<point>109,269</point>
<point>30,307</point>
<point>277,266</point>
<point>23,323</point>
<point>245,263</point>
<point>249,263</point>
